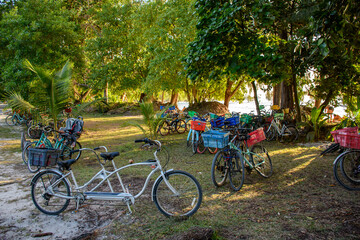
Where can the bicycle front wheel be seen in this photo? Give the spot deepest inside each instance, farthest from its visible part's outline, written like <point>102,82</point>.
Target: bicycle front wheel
<point>25,152</point>
<point>219,169</point>
<point>49,192</point>
<point>350,168</point>
<point>185,198</point>
<point>200,146</point>
<point>66,152</point>
<point>236,173</point>
<point>261,161</point>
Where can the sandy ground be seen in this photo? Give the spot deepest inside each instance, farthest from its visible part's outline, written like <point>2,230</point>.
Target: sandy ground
<point>19,218</point>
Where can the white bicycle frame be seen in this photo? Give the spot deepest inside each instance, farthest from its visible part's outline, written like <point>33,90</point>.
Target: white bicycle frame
<point>105,175</point>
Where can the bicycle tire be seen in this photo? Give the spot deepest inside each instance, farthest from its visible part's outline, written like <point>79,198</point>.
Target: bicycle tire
<point>212,150</point>
<point>339,176</point>
<point>66,152</point>
<point>350,169</point>
<point>200,146</point>
<point>180,126</point>
<point>261,161</point>
<point>184,205</point>
<point>164,128</point>
<point>269,132</point>
<point>41,197</point>
<point>219,169</point>
<point>194,143</point>
<point>290,134</point>
<point>9,120</point>
<point>25,152</point>
<point>236,171</point>
<point>33,131</point>
<point>332,148</point>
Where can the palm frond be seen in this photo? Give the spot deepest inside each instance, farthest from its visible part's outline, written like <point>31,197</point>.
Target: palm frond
<point>17,102</point>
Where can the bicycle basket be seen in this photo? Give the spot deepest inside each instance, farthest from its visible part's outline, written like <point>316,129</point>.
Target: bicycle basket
<point>192,113</point>
<point>338,138</point>
<point>198,125</point>
<point>256,136</point>
<point>245,118</point>
<point>217,123</point>
<point>233,121</point>
<point>215,139</point>
<point>349,140</point>
<point>279,116</point>
<point>43,157</point>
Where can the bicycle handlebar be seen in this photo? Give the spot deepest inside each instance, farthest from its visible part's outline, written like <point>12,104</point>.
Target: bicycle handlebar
<point>149,141</point>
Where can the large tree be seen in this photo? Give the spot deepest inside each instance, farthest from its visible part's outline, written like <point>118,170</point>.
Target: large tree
<point>42,31</point>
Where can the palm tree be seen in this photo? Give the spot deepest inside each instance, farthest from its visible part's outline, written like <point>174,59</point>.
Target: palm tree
<point>51,90</point>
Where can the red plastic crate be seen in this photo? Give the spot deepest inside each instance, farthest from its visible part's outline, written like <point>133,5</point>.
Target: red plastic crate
<point>349,130</point>
<point>256,136</point>
<point>349,140</point>
<point>198,125</point>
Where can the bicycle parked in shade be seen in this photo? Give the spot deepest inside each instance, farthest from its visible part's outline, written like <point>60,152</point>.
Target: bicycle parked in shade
<point>64,142</point>
<point>16,119</point>
<point>175,193</point>
<point>280,130</point>
<point>232,160</point>
<point>347,165</point>
<point>171,125</point>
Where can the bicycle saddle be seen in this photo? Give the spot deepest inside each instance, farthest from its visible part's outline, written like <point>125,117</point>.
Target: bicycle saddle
<point>66,164</point>
<point>109,155</point>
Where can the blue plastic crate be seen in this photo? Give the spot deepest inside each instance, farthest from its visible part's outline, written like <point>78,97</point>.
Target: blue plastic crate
<point>215,139</point>
<point>217,123</point>
<point>233,121</point>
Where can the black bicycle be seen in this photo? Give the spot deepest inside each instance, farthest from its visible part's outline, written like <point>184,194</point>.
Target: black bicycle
<point>171,125</point>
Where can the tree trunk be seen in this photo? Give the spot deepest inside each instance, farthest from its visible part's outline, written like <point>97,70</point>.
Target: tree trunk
<point>317,102</point>
<point>174,98</point>
<point>296,97</point>
<point>229,92</point>
<point>256,97</point>
<point>187,90</point>
<point>106,92</point>
<point>277,94</point>
<point>194,93</point>
<point>287,100</point>
<point>142,97</point>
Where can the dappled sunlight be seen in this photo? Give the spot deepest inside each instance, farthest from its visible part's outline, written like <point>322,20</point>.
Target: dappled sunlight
<point>301,166</point>
<point>290,184</point>
<point>305,156</point>
<point>233,196</point>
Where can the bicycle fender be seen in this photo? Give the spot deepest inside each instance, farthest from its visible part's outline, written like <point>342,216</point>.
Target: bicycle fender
<point>165,173</point>
<point>339,157</point>
<point>50,170</point>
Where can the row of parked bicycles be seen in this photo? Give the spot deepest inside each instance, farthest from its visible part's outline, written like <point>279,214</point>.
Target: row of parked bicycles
<point>175,193</point>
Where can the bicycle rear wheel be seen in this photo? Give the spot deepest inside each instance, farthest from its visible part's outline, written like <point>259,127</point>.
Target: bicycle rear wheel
<point>290,134</point>
<point>66,152</point>
<point>219,169</point>
<point>43,189</point>
<point>9,120</point>
<point>187,199</point>
<point>261,160</point>
<point>180,126</point>
<point>164,128</point>
<point>236,173</point>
